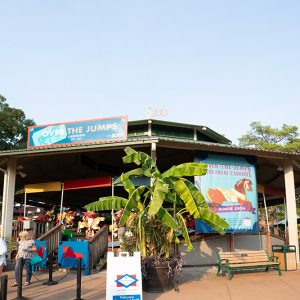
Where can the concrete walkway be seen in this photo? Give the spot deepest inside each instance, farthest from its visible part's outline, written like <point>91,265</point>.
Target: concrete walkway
<point>194,283</point>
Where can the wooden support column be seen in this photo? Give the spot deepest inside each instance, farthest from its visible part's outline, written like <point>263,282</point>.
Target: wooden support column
<point>230,242</point>
<point>291,206</point>
<point>4,197</point>
<point>9,198</point>
<point>153,151</point>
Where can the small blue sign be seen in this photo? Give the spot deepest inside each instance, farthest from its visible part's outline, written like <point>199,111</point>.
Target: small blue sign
<point>42,251</point>
<point>127,297</point>
<point>82,132</point>
<point>69,251</point>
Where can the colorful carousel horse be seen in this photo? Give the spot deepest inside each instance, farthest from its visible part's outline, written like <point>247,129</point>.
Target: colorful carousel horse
<point>236,195</point>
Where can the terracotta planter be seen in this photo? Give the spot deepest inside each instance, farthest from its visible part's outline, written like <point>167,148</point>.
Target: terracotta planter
<point>159,278</point>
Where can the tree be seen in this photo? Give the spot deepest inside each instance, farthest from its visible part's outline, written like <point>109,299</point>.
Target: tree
<point>155,213</point>
<point>268,138</point>
<point>13,127</point>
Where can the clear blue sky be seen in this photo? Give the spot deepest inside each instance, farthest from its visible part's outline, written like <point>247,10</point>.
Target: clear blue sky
<point>222,64</point>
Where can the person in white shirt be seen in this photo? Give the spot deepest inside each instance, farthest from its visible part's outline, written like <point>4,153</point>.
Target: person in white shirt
<point>3,252</point>
<point>26,250</point>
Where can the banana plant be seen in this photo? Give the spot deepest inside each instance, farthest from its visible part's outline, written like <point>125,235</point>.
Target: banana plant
<point>154,213</point>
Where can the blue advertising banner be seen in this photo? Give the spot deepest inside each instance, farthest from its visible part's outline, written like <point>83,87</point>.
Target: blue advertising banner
<point>81,132</point>
<point>229,188</point>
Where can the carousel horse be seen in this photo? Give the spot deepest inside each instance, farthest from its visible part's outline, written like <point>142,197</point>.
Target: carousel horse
<point>235,195</point>
<point>89,216</point>
<point>82,226</point>
<point>69,218</point>
<point>90,222</point>
<point>58,218</point>
<point>95,225</point>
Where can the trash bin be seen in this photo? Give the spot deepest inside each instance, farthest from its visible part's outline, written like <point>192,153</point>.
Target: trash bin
<point>286,256</point>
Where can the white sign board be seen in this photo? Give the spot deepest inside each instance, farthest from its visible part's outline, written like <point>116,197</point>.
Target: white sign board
<point>124,276</point>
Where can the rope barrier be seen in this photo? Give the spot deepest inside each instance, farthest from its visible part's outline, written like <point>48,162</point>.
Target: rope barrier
<point>50,281</point>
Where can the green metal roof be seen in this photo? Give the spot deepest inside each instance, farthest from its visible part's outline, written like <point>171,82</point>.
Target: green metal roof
<point>161,141</point>
<point>142,138</point>
<point>177,130</point>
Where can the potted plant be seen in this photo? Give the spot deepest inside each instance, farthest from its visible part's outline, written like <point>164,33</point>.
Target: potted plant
<point>12,249</point>
<point>154,214</point>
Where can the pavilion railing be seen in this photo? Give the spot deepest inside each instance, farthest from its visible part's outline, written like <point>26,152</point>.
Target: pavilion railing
<point>98,246</point>
<point>52,237</point>
<point>37,228</point>
<point>277,232</point>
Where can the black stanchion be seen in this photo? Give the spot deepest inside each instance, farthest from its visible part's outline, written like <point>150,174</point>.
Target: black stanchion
<point>50,281</point>
<point>20,262</point>
<point>78,286</point>
<point>3,294</point>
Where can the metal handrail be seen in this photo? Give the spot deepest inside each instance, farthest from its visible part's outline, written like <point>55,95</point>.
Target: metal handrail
<point>40,228</point>
<point>52,237</point>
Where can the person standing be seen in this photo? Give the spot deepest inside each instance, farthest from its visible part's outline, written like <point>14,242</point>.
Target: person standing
<point>3,252</point>
<point>27,249</point>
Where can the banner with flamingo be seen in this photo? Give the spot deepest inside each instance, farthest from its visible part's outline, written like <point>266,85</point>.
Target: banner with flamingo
<point>229,188</point>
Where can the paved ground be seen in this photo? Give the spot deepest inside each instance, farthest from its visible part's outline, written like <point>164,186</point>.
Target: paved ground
<point>195,283</point>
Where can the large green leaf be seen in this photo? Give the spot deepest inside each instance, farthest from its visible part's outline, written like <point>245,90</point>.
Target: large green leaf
<point>132,157</point>
<point>117,181</point>
<point>133,173</point>
<point>214,220</point>
<point>186,169</point>
<point>166,218</point>
<point>197,195</point>
<point>128,185</point>
<point>107,203</point>
<point>140,158</point>
<point>129,151</point>
<point>134,202</point>
<point>171,198</point>
<point>146,170</point>
<point>158,197</point>
<point>186,195</point>
<point>185,233</point>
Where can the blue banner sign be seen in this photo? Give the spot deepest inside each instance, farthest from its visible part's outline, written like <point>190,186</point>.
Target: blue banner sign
<point>229,188</point>
<point>81,132</point>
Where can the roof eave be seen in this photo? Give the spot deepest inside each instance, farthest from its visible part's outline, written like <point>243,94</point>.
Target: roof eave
<point>203,129</point>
